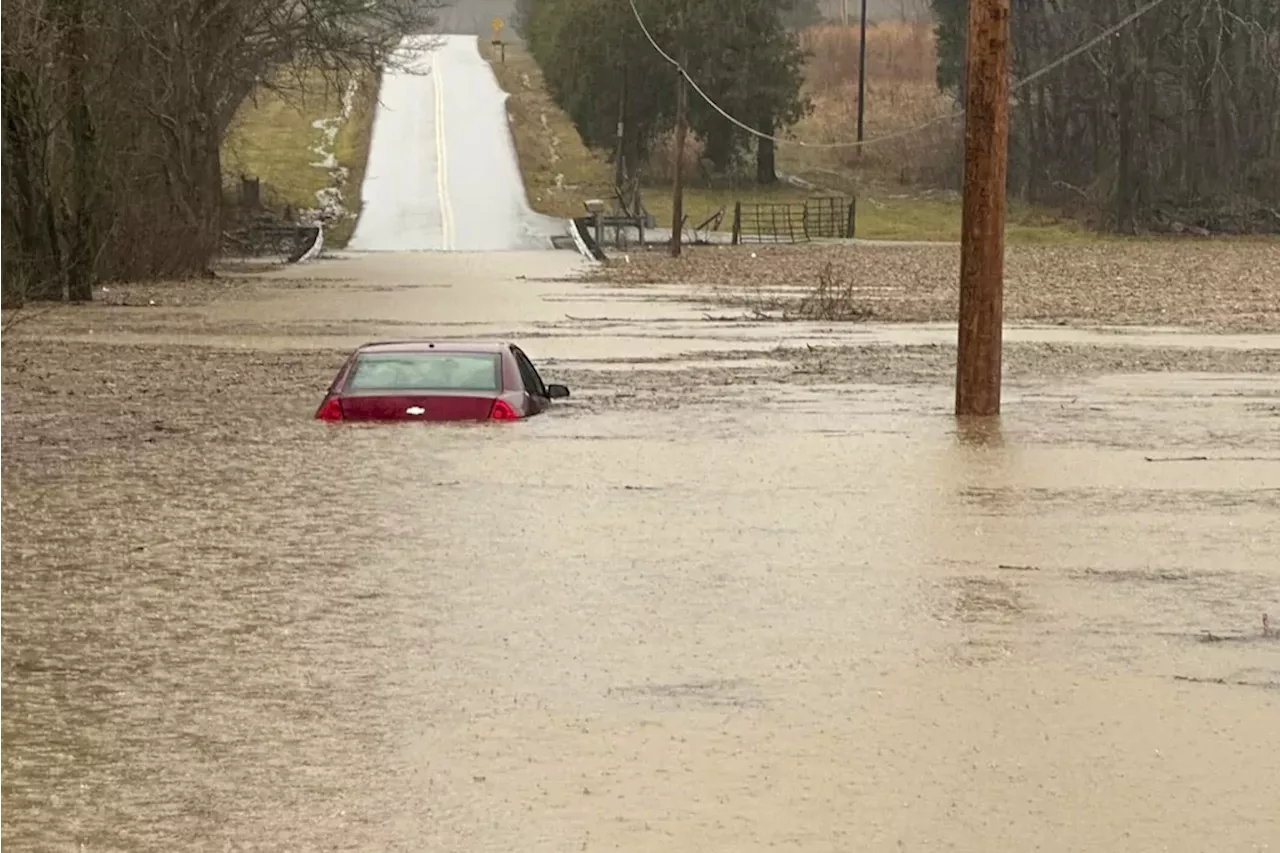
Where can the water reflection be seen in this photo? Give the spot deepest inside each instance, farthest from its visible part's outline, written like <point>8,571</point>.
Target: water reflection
<point>980,512</point>
<point>974,431</point>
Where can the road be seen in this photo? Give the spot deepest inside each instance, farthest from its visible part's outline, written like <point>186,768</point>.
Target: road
<point>474,17</point>
<point>723,599</point>
<point>442,171</point>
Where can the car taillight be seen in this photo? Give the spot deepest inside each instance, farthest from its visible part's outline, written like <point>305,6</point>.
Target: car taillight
<point>330,410</point>
<point>502,411</point>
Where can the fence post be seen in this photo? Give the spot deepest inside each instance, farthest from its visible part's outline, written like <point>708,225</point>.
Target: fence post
<point>851,230</point>
<point>737,222</point>
<point>250,192</point>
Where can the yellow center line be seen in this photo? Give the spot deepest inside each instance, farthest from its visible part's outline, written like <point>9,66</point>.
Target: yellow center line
<point>442,160</point>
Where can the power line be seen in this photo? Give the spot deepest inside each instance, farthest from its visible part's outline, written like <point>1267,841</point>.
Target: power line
<point>911,131</point>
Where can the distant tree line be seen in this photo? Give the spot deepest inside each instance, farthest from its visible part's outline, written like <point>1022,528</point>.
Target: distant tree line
<point>1174,119</point>
<point>115,112</point>
<point>602,71</point>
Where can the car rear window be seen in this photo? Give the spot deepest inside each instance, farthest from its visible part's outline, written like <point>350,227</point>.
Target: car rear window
<point>425,371</point>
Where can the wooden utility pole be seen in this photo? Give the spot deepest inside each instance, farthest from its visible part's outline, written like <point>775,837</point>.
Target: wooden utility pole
<point>862,70</point>
<point>986,149</point>
<point>619,154</point>
<point>677,189</point>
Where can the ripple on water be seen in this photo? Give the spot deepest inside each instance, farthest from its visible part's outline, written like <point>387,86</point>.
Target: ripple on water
<point>751,622</point>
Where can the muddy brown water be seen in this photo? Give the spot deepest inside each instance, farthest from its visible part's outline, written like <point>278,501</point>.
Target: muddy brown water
<point>678,613</point>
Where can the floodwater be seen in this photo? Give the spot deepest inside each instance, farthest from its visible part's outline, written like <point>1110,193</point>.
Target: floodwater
<point>671,615</point>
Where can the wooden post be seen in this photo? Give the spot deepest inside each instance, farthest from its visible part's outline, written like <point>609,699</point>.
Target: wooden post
<point>862,72</point>
<point>677,190</point>
<point>619,154</point>
<point>986,143</point>
<point>250,192</point>
<point>737,222</point>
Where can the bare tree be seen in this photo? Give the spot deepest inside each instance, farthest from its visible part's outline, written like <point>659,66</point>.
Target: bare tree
<point>115,112</point>
<point>1175,119</point>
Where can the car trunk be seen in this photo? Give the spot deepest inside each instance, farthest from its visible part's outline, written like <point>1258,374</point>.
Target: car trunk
<point>417,407</point>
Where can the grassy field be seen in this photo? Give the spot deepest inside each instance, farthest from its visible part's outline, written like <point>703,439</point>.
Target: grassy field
<point>923,148</point>
<point>880,216</point>
<point>273,137</point>
<point>889,217</point>
<point>560,173</point>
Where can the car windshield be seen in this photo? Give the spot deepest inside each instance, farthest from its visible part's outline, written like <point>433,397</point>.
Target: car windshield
<point>425,371</point>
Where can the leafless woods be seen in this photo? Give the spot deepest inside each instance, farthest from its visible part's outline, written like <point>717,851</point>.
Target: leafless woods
<point>1174,118</point>
<point>115,110</point>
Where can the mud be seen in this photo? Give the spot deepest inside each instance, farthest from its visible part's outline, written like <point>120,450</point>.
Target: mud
<point>733,595</point>
<point>1219,285</point>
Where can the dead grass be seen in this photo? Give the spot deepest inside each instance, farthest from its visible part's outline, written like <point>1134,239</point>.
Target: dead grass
<point>560,172</point>
<point>930,155</point>
<point>901,96</point>
<point>351,148</point>
<point>273,138</point>
<point>833,298</point>
<point>895,181</point>
<point>896,51</point>
<point>10,318</point>
<point>888,179</point>
<point>1217,285</point>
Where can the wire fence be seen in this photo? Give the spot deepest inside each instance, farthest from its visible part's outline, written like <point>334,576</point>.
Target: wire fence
<point>820,217</point>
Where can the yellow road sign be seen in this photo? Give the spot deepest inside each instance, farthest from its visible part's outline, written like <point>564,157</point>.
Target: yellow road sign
<point>497,25</point>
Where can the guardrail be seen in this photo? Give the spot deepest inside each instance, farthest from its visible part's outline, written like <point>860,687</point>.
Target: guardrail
<point>292,243</point>
<point>580,231</point>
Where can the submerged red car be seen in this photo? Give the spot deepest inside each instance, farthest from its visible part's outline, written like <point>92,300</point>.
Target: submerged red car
<point>437,381</point>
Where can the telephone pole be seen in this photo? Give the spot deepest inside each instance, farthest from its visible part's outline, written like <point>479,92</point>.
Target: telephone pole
<point>677,189</point>
<point>619,156</point>
<point>862,69</point>
<point>986,149</point>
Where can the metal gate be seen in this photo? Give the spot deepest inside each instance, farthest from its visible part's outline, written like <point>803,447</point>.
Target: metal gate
<point>820,217</point>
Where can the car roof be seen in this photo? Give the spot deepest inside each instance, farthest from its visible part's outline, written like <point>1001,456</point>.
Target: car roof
<point>425,345</point>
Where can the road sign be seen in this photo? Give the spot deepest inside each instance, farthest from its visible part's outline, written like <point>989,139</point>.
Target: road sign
<point>497,26</point>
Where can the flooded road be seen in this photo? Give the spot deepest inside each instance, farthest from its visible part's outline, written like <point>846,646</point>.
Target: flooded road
<point>732,604</point>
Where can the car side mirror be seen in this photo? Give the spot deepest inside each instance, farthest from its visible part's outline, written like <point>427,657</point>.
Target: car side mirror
<point>557,392</point>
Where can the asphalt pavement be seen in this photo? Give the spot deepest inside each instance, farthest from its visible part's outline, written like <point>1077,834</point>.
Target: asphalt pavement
<point>442,171</point>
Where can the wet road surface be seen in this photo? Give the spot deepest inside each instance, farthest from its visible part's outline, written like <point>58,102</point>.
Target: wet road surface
<point>442,172</point>
<point>734,607</point>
